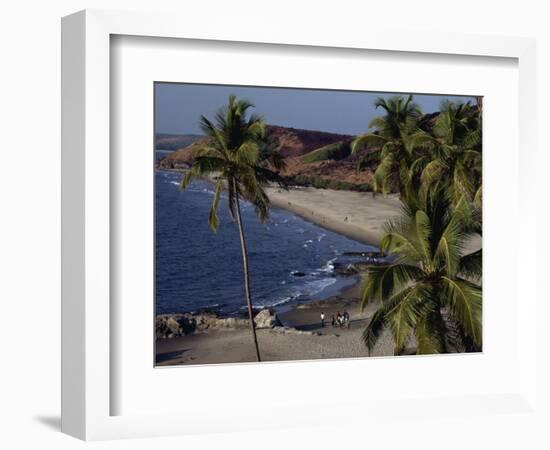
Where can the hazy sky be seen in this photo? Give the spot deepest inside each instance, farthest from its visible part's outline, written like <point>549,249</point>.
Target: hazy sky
<point>178,107</point>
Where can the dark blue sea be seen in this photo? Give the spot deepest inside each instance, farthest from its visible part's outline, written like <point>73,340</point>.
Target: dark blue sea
<point>196,268</point>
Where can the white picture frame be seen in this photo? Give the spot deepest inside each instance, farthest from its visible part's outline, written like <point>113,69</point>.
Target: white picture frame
<point>87,325</point>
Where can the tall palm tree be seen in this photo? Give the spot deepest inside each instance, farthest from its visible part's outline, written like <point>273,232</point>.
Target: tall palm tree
<point>388,143</point>
<point>243,160</point>
<point>450,156</point>
<point>430,289</point>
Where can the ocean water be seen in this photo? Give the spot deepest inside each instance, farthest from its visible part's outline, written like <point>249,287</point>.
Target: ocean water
<point>290,259</point>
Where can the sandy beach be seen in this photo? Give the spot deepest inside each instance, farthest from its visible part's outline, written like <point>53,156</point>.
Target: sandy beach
<point>357,215</point>
<point>305,340</point>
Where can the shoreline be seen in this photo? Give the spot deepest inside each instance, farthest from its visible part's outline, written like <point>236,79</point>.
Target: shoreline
<point>343,212</point>
<point>357,215</point>
<point>329,208</point>
<point>342,285</point>
<point>300,338</point>
<point>360,216</point>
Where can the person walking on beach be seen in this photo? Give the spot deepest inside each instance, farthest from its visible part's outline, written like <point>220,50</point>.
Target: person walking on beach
<point>322,319</point>
<point>333,322</point>
<point>346,319</point>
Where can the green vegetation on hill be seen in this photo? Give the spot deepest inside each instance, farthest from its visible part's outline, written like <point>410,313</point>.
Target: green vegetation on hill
<point>336,151</point>
<point>328,183</point>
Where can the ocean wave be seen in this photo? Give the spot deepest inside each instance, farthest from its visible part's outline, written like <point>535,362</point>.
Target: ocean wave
<point>320,237</point>
<point>328,267</point>
<point>309,288</point>
<point>314,287</point>
<point>274,303</point>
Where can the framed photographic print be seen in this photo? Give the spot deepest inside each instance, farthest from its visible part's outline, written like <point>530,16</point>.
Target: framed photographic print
<point>336,241</point>
<point>250,212</point>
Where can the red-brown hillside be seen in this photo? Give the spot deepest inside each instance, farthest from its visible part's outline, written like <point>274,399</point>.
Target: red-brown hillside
<point>294,145</point>
<point>297,142</point>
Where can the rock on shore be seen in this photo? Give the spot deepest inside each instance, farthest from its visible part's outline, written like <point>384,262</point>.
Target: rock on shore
<point>175,325</point>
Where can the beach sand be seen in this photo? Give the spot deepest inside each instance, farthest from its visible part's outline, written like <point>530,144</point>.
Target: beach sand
<point>357,215</point>
<point>235,345</point>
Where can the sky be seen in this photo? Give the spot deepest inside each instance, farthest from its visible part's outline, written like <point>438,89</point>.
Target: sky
<point>178,106</point>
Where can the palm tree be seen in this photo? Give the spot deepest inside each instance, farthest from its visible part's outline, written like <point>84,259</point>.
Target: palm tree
<point>388,143</point>
<point>243,160</point>
<point>430,289</point>
<point>451,156</point>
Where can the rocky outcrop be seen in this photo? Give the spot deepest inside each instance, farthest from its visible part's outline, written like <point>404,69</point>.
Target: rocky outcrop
<point>266,318</point>
<point>168,326</point>
<point>353,263</point>
<point>176,325</point>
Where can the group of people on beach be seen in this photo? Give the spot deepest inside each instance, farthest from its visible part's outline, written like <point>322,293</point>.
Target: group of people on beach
<point>340,320</point>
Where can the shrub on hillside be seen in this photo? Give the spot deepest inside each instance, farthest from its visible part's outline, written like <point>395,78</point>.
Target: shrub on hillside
<point>330,183</point>
<point>336,151</point>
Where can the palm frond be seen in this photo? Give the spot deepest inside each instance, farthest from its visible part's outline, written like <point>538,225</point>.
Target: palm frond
<point>433,172</point>
<point>374,329</point>
<point>381,282</point>
<point>398,240</point>
<point>471,266</point>
<point>247,153</point>
<point>421,140</point>
<point>213,219</point>
<point>367,141</point>
<point>214,133</point>
<point>382,177</point>
<point>478,197</point>
<point>430,332</point>
<point>403,311</point>
<point>378,124</point>
<point>464,301</point>
<point>423,231</point>
<point>451,243</point>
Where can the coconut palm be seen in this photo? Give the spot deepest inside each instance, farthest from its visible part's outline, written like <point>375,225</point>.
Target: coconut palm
<point>243,160</point>
<point>450,156</point>
<point>387,144</point>
<point>430,288</point>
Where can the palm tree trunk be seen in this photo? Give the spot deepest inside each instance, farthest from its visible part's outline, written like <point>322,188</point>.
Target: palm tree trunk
<point>245,270</point>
